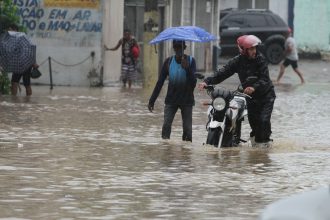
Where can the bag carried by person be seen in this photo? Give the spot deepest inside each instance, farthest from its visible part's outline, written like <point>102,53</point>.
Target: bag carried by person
<point>35,73</point>
<point>135,51</point>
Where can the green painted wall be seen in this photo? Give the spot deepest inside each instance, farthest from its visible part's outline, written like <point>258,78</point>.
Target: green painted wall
<point>312,25</point>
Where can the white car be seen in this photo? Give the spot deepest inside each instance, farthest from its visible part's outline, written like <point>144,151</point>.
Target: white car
<point>312,205</point>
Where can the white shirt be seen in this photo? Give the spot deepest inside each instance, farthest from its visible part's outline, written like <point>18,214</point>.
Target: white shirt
<point>293,55</point>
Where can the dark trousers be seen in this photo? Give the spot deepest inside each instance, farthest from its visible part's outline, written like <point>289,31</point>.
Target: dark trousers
<point>259,115</point>
<point>186,114</point>
<point>16,77</point>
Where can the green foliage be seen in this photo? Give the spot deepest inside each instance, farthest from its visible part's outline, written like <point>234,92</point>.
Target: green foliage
<point>9,10</point>
<point>8,14</point>
<point>4,83</point>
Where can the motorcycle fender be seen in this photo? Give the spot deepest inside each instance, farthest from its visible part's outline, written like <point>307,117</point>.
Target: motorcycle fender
<point>245,113</point>
<point>215,124</point>
<point>231,113</point>
<point>209,110</point>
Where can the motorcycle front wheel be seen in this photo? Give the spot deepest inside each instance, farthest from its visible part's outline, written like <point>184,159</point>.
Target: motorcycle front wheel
<point>213,135</point>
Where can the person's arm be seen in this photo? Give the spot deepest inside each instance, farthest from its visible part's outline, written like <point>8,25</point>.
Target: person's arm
<point>159,85</point>
<point>289,48</point>
<point>223,73</point>
<point>289,45</point>
<point>120,42</point>
<point>263,80</point>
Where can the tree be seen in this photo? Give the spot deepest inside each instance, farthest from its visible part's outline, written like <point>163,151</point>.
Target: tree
<point>8,14</point>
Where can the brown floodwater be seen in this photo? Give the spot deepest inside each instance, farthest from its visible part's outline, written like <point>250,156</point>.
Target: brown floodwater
<point>96,153</point>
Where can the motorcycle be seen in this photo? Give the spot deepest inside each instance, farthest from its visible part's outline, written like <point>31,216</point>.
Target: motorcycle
<point>226,113</point>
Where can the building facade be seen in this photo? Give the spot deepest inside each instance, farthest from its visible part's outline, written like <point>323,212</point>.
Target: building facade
<point>312,26</point>
<point>68,35</point>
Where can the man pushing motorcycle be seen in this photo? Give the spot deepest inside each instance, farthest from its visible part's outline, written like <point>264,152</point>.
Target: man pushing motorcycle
<point>250,62</point>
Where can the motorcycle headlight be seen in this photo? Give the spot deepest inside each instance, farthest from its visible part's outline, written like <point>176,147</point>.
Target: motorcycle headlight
<point>219,104</point>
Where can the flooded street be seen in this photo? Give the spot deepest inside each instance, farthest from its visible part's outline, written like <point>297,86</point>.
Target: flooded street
<point>96,153</point>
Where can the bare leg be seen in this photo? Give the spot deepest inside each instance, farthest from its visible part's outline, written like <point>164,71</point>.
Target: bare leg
<point>14,88</point>
<point>28,90</point>
<point>129,84</point>
<point>282,69</point>
<point>300,75</point>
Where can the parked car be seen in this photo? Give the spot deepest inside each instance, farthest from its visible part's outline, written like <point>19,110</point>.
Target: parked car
<point>265,24</point>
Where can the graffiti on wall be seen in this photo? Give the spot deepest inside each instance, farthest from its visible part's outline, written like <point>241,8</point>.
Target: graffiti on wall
<point>49,17</point>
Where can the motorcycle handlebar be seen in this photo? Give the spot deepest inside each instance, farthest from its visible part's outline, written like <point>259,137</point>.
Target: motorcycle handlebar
<point>211,88</point>
<point>242,94</point>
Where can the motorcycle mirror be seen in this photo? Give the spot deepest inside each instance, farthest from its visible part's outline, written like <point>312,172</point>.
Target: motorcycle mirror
<point>199,76</point>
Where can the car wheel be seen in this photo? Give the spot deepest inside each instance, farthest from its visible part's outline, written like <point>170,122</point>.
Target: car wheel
<point>274,53</point>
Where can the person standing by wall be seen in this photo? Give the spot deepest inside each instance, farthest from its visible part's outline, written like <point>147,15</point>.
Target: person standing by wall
<point>291,58</point>
<point>26,75</point>
<point>180,70</point>
<point>130,53</point>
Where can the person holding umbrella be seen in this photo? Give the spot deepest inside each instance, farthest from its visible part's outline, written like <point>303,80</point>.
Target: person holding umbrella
<point>180,70</point>
<point>18,73</point>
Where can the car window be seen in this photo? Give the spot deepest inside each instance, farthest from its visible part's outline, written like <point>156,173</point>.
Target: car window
<point>255,21</point>
<point>278,20</point>
<point>271,21</point>
<point>233,21</point>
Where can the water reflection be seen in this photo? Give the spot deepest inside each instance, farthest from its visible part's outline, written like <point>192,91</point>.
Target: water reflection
<point>97,154</point>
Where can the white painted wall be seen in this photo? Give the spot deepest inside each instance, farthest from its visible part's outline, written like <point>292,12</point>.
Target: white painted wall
<point>279,7</point>
<point>66,31</point>
<point>312,25</point>
<point>228,4</point>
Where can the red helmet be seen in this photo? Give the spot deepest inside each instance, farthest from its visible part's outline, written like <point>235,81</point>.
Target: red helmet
<point>247,41</point>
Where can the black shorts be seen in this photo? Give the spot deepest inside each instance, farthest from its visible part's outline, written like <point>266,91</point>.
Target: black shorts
<point>293,63</point>
<point>16,77</point>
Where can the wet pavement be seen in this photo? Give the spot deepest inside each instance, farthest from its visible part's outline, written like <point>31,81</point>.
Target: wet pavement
<point>96,153</point>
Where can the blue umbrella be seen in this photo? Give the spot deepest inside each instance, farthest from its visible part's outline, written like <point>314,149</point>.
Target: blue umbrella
<point>186,33</point>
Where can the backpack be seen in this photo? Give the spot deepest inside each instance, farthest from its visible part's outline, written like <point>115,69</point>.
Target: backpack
<point>170,60</point>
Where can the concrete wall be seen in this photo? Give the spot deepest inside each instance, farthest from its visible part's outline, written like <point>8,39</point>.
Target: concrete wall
<point>68,32</point>
<point>312,25</point>
<point>280,8</point>
<point>112,31</point>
